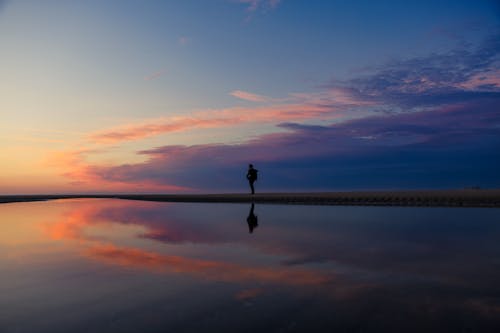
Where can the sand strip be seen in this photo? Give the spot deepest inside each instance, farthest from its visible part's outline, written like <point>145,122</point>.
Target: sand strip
<point>439,198</point>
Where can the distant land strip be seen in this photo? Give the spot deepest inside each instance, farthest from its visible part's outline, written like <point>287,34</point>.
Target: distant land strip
<point>433,198</point>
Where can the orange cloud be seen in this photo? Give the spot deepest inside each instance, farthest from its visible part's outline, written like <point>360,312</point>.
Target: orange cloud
<point>176,124</point>
<point>87,177</point>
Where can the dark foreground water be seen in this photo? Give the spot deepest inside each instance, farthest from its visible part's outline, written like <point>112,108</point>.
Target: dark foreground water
<point>124,266</point>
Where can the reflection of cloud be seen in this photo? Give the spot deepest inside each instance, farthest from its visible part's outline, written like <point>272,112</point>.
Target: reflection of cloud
<point>248,293</point>
<point>405,250</point>
<point>215,270</point>
<point>72,223</point>
<point>396,256</point>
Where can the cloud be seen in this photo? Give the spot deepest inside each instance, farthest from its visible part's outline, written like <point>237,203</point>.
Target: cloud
<point>333,103</point>
<point>247,96</point>
<point>84,176</point>
<point>254,5</point>
<point>216,118</point>
<point>423,122</point>
<point>449,145</point>
<point>155,75</point>
<point>459,75</point>
<point>160,126</point>
<point>184,40</point>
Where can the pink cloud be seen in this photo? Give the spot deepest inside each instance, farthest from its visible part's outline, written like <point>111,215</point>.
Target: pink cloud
<point>489,80</point>
<point>175,124</point>
<point>247,96</point>
<point>330,104</point>
<point>216,118</point>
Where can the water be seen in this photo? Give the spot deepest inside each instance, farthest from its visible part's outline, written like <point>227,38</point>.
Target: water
<point>102,265</point>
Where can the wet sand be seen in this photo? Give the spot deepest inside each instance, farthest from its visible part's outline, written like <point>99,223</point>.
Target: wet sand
<point>438,198</point>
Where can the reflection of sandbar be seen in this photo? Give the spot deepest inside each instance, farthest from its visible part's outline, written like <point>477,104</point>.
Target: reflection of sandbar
<point>443,198</point>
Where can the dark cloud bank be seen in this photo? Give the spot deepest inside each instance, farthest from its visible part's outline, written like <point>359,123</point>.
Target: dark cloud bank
<point>439,128</point>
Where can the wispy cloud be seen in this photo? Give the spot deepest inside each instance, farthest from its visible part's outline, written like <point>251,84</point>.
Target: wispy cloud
<point>155,75</point>
<point>456,76</point>
<point>248,96</point>
<point>184,40</point>
<point>332,103</point>
<point>254,5</point>
<point>216,118</point>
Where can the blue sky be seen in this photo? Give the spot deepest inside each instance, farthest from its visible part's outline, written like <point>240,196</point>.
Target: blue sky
<point>182,95</point>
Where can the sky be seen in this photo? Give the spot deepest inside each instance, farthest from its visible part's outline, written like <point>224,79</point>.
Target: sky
<point>180,96</point>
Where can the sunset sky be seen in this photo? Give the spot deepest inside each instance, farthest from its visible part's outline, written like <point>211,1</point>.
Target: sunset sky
<point>179,96</point>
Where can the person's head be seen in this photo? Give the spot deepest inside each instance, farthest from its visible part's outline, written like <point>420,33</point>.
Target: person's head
<point>250,166</point>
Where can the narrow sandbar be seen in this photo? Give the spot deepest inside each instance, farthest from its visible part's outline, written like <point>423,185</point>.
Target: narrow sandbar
<point>439,198</point>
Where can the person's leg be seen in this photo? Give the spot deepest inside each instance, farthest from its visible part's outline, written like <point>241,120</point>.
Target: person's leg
<point>251,187</point>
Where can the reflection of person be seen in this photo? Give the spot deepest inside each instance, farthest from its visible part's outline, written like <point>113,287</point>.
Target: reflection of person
<point>252,176</point>
<point>252,220</point>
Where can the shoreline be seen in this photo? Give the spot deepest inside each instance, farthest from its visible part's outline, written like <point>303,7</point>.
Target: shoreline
<point>424,198</point>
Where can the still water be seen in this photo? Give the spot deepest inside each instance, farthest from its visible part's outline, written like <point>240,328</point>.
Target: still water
<point>102,265</point>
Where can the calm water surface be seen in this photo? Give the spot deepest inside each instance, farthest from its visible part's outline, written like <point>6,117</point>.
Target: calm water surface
<point>126,266</point>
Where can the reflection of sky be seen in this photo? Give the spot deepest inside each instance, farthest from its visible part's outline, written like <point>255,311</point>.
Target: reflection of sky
<point>126,263</point>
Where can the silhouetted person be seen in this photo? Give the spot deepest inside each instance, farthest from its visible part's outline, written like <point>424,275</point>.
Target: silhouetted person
<point>252,176</point>
<point>252,220</point>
